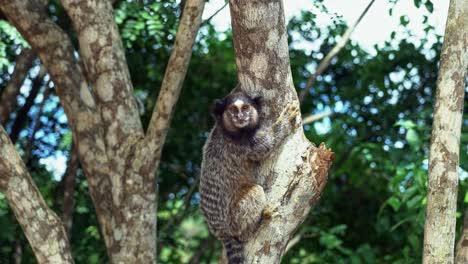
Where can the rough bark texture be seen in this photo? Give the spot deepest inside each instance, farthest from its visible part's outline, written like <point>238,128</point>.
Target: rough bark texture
<point>41,225</point>
<point>462,245</point>
<point>439,231</point>
<point>119,161</point>
<point>173,78</point>
<point>23,63</point>
<point>69,190</point>
<point>297,172</point>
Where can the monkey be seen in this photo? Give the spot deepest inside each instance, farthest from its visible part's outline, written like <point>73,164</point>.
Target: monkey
<point>232,200</point>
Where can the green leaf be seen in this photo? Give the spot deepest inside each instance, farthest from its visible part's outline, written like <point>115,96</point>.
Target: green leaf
<point>429,6</point>
<point>413,138</point>
<point>93,258</point>
<point>404,20</point>
<point>395,203</point>
<point>407,124</point>
<point>330,241</point>
<point>414,202</point>
<point>417,3</point>
<point>339,229</point>
<point>414,242</point>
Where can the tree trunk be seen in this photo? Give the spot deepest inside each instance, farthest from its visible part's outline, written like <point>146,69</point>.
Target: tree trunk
<point>119,159</point>
<point>293,178</point>
<point>462,245</point>
<point>439,230</point>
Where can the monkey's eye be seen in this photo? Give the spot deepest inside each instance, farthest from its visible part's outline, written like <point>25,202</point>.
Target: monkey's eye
<point>245,107</point>
<point>232,109</point>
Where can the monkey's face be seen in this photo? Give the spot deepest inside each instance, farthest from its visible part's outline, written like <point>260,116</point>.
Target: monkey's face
<point>239,115</point>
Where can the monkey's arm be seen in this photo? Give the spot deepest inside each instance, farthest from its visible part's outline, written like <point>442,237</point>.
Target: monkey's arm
<point>268,138</point>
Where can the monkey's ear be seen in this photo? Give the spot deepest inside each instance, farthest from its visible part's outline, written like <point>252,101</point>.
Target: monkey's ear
<point>258,100</point>
<point>218,108</point>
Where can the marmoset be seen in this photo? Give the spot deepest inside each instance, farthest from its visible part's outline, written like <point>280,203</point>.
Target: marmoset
<point>232,200</point>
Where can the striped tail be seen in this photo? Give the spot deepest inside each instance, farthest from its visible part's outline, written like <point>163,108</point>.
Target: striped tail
<point>234,251</point>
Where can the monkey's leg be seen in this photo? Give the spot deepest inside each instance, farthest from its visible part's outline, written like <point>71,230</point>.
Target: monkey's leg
<point>247,210</point>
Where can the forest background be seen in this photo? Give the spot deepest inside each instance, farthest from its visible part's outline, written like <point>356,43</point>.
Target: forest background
<point>375,105</point>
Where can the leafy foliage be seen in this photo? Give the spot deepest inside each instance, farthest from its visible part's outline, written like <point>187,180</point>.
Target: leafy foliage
<point>372,210</point>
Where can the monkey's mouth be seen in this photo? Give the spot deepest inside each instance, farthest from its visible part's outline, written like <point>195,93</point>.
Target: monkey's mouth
<point>241,123</point>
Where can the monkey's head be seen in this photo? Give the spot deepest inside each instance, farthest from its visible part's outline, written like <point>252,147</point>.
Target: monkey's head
<point>238,113</point>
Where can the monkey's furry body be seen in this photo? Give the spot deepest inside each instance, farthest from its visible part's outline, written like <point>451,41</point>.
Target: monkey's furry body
<point>233,202</point>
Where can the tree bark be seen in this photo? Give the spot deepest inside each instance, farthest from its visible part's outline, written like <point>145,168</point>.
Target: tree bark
<point>23,64</point>
<point>461,256</point>
<point>295,175</point>
<point>173,79</point>
<point>439,230</point>
<point>118,158</point>
<point>69,180</point>
<point>41,225</point>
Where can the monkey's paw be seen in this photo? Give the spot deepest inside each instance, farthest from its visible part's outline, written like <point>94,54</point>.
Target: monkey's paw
<point>269,212</point>
<point>291,113</point>
<point>261,146</point>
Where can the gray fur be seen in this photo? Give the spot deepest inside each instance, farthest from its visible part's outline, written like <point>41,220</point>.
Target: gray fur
<point>232,200</point>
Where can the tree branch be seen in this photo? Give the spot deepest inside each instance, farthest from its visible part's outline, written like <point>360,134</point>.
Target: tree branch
<point>45,234</point>
<point>22,115</point>
<point>323,65</point>
<point>182,212</point>
<point>461,256</point>
<point>69,190</point>
<point>106,67</point>
<point>312,118</point>
<point>172,82</point>
<point>294,176</point>
<point>439,228</point>
<point>36,126</point>
<point>206,21</point>
<point>23,63</point>
<point>56,52</point>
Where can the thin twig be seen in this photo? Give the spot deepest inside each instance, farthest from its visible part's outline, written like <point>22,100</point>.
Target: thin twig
<point>206,245</point>
<point>24,62</point>
<point>182,212</point>
<point>312,118</point>
<point>22,114</point>
<point>69,190</point>
<point>206,21</point>
<point>36,126</point>
<point>323,65</point>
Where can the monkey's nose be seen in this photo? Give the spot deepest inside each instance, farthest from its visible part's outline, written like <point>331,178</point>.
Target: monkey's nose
<point>243,117</point>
